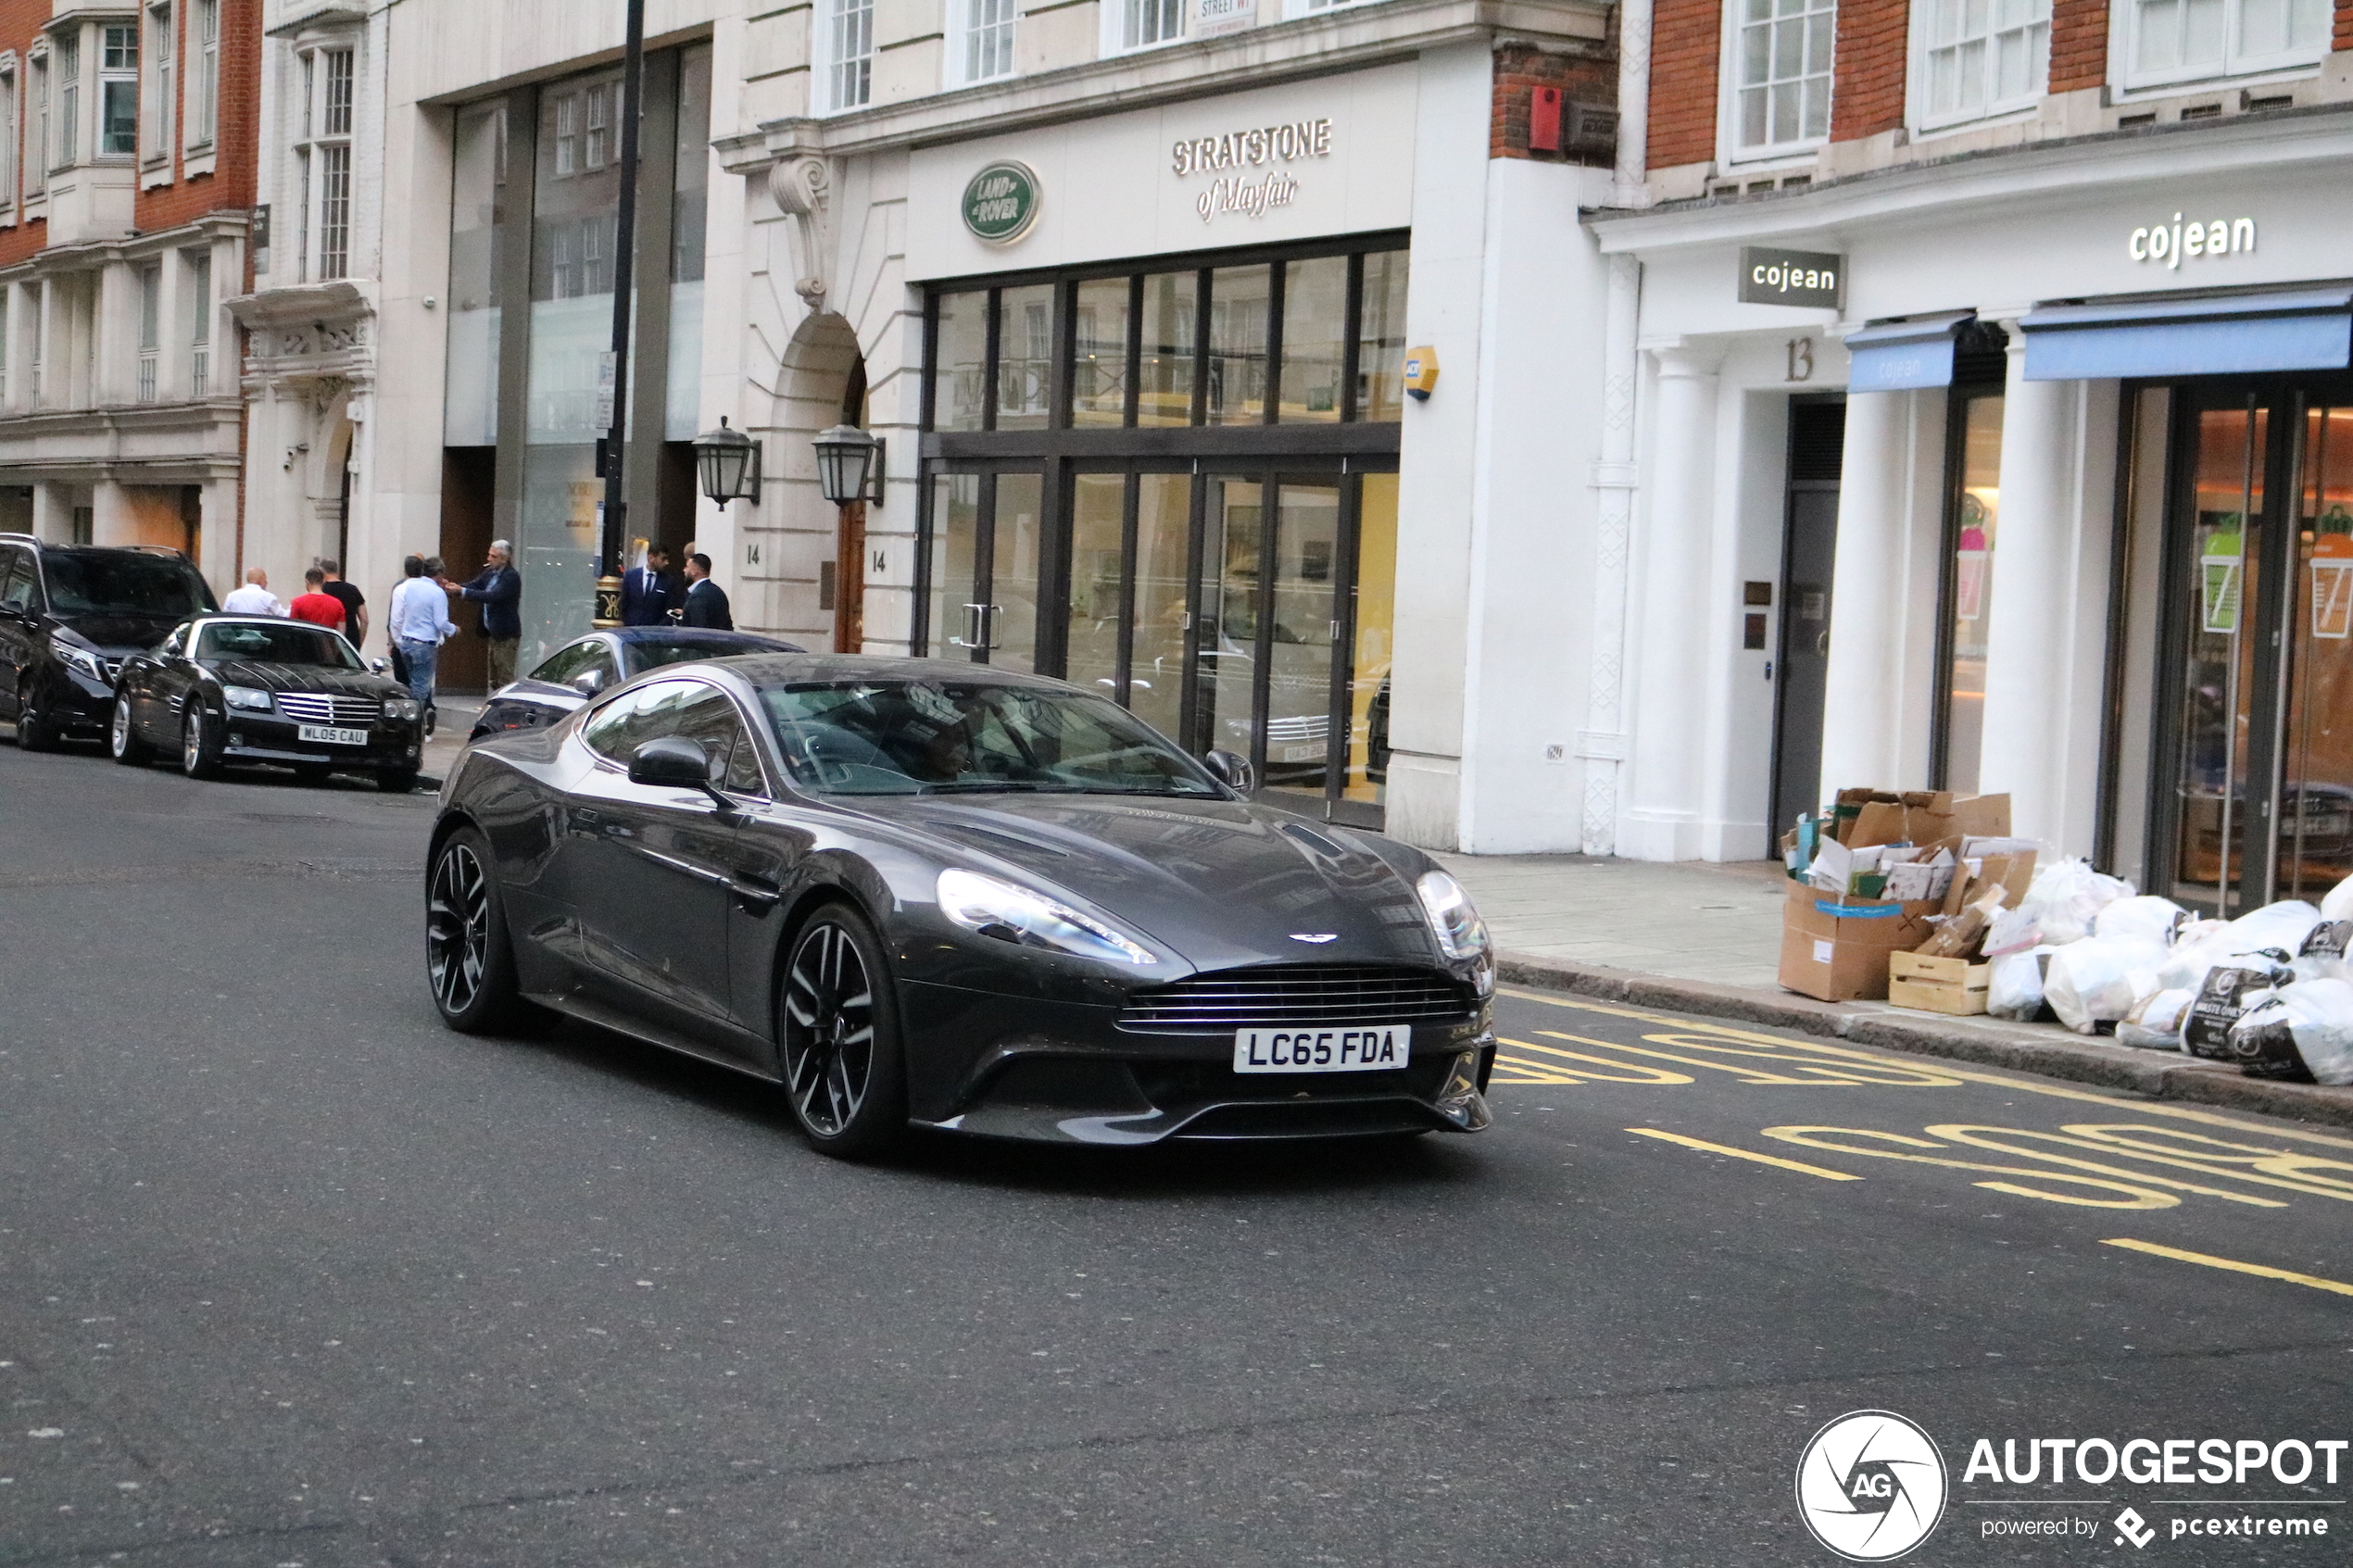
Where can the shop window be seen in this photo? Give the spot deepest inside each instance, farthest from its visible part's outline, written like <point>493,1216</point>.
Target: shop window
<point>849,53</point>
<point>1982,56</point>
<point>119,90</point>
<point>1164,373</point>
<point>1236,372</point>
<point>1782,75</point>
<point>477,208</point>
<point>2176,41</point>
<point>1972,525</point>
<point>1025,357</point>
<point>1315,328</point>
<point>961,382</point>
<point>1381,337</point>
<point>1098,352</point>
<point>984,49</point>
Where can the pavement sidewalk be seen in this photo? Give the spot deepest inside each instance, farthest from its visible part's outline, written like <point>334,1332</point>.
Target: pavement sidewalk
<point>1702,938</point>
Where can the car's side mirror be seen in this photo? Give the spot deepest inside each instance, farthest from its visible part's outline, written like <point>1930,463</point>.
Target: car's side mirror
<point>1232,770</point>
<point>381,666</point>
<point>588,683</point>
<point>670,763</point>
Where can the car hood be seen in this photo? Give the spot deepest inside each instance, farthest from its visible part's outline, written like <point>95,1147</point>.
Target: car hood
<point>1221,882</point>
<point>119,634</point>
<point>305,678</point>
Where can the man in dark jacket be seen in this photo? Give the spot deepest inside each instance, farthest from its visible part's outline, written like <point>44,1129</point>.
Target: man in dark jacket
<point>648,592</point>
<point>706,600</point>
<point>498,587</point>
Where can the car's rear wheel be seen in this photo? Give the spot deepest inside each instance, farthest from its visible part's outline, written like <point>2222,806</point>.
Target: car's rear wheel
<point>34,731</point>
<point>838,1038</point>
<point>199,742</point>
<point>123,737</point>
<point>470,957</point>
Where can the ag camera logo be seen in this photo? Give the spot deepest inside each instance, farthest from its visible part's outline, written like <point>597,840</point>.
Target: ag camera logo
<point>1872,1486</point>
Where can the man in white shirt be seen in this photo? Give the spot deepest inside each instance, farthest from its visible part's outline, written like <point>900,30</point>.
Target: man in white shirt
<point>418,623</point>
<point>255,597</point>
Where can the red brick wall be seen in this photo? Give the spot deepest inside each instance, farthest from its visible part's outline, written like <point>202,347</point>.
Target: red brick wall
<point>1867,81</point>
<point>1686,42</point>
<point>2079,43</point>
<point>1520,68</point>
<point>20,25</point>
<point>2343,36</point>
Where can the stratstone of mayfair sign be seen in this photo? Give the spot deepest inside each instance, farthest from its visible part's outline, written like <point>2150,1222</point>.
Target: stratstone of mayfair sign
<point>1000,201</point>
<point>1244,152</point>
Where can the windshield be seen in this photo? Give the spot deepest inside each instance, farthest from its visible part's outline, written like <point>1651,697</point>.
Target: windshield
<point>291,642</point>
<point>653,656</point>
<point>122,582</point>
<point>938,737</point>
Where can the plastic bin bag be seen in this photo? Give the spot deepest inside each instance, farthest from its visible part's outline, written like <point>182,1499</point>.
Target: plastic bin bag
<point>2155,1023</point>
<point>2230,991</point>
<point>2338,904</point>
<point>2322,955</point>
<point>2099,980</point>
<point>2302,1032</point>
<point>2145,919</point>
<point>2014,988</point>
<point>2066,895</point>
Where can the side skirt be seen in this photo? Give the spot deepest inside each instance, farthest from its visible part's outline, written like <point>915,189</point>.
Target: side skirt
<point>589,1011</point>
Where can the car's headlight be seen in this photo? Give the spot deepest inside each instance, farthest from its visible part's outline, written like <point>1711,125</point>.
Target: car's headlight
<point>81,660</point>
<point>401,708</point>
<point>247,697</point>
<point>1015,914</point>
<point>1453,919</point>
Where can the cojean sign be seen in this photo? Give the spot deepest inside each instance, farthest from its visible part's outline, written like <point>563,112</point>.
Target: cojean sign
<point>1792,277</point>
<point>1000,201</point>
<point>2168,242</point>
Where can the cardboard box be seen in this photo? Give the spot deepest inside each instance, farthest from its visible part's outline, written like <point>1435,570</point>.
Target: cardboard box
<point>1946,986</point>
<point>1838,948</point>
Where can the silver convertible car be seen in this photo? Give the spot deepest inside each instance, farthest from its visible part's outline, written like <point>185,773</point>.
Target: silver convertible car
<point>931,894</point>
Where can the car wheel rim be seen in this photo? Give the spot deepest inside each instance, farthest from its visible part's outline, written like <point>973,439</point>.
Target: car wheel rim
<point>829,1030</point>
<point>191,743</point>
<point>119,736</point>
<point>456,928</point>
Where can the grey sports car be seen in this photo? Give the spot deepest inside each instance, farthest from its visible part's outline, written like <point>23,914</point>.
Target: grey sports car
<point>932,893</point>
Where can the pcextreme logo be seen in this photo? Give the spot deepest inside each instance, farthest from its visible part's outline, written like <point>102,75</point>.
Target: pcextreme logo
<point>1870,1486</point>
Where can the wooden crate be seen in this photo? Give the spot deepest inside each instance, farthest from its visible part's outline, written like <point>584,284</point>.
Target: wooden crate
<point>1946,986</point>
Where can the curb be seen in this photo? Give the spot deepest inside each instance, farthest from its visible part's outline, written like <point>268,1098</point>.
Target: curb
<point>2042,1050</point>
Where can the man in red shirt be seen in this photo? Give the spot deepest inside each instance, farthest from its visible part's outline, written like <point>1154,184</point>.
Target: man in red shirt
<point>315,604</point>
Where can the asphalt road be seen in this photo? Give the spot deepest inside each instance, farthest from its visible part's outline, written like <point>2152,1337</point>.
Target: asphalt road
<point>290,1276</point>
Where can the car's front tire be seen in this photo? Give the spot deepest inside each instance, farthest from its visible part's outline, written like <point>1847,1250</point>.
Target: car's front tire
<point>34,731</point>
<point>469,957</point>
<point>838,1038</point>
<point>199,743</point>
<point>123,737</point>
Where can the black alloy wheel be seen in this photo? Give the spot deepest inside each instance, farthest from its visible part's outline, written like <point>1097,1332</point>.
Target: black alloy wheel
<point>34,731</point>
<point>123,737</point>
<point>470,957</point>
<point>838,1038</point>
<point>199,743</point>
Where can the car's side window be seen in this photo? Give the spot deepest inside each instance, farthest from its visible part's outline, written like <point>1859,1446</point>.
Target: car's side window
<point>711,721</point>
<point>176,642</point>
<point>601,660</point>
<point>635,717</point>
<point>16,582</point>
<point>560,666</point>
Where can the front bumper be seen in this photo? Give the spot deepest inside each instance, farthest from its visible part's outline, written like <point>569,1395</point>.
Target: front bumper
<point>267,737</point>
<point>78,704</point>
<point>1006,1067</point>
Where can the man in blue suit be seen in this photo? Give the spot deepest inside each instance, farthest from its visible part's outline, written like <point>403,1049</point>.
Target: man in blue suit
<point>648,592</point>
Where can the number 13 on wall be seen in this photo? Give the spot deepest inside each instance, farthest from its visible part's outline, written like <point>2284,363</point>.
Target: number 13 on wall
<point>1801,359</point>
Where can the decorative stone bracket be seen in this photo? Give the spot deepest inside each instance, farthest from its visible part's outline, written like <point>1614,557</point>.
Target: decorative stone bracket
<point>803,185</point>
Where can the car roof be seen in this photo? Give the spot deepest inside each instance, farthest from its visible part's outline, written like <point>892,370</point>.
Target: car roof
<point>783,669</point>
<point>748,640</point>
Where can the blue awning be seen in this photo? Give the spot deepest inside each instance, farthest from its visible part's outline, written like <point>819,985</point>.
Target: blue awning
<point>2216,335</point>
<point>1901,356</point>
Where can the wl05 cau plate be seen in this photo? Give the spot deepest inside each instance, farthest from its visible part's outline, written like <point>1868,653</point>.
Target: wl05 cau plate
<point>328,734</point>
<point>1322,1050</point>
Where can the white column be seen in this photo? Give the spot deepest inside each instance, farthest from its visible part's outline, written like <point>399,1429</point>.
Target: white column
<point>115,319</point>
<point>112,519</point>
<point>1862,694</point>
<point>53,513</point>
<point>56,342</point>
<point>17,301</point>
<point>2046,638</point>
<point>171,317</point>
<point>217,546</point>
<point>1664,823</point>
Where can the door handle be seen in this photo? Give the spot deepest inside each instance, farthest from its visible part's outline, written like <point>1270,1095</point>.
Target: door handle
<point>973,617</point>
<point>757,894</point>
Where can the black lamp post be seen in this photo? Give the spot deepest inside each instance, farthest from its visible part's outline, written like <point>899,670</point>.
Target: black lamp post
<point>728,461</point>
<point>849,461</point>
<point>632,93</point>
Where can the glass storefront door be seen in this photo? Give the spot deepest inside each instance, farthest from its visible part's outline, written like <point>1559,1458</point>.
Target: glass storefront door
<point>987,545</point>
<point>2260,595</point>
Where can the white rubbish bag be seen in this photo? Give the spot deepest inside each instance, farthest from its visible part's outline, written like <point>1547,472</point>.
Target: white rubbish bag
<point>2155,1023</point>
<point>2066,895</point>
<point>2145,919</point>
<point>2302,1032</point>
<point>2273,932</point>
<point>2338,904</point>
<point>2099,980</point>
<point>2322,955</point>
<point>2014,988</point>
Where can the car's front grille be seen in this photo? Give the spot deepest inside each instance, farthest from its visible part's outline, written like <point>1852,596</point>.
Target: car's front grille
<point>319,707</point>
<point>1299,997</point>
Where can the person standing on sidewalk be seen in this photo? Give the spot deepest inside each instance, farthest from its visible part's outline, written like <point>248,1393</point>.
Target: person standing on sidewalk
<point>354,604</point>
<point>498,587</point>
<point>254,597</point>
<point>419,624</point>
<point>706,600</point>
<point>315,604</point>
<point>648,590</point>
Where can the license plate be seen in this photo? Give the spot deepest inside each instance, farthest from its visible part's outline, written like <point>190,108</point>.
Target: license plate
<point>328,734</point>
<point>1322,1050</point>
<point>1310,753</point>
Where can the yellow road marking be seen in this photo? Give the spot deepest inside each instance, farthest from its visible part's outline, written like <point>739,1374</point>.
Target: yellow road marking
<point>1641,1075</point>
<point>2232,1264</point>
<point>2024,1086</point>
<point>1744,1154</point>
<point>2139,1192</point>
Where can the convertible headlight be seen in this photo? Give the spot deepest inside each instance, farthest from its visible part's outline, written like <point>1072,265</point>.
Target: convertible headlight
<point>247,697</point>
<point>1015,914</point>
<point>401,708</point>
<point>1453,919</point>
<point>81,660</point>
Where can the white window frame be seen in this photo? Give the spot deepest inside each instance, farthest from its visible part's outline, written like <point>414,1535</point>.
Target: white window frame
<point>196,268</point>
<point>65,124</point>
<point>158,101</point>
<point>323,156</point>
<point>2028,20</point>
<point>36,302</point>
<point>200,84</point>
<point>109,77</point>
<point>11,135</point>
<point>1132,26</point>
<point>1730,120</point>
<point>2125,17</point>
<point>845,63</point>
<point>150,306</point>
<point>39,86</point>
<point>980,41</point>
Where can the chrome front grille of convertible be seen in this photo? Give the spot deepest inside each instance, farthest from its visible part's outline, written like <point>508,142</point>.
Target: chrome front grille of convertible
<point>1299,995</point>
<point>320,708</point>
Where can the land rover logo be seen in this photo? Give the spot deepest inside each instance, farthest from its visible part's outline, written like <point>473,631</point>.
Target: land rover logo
<point>1001,202</point>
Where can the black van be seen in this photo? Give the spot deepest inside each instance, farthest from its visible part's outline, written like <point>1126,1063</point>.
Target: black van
<point>68,616</point>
